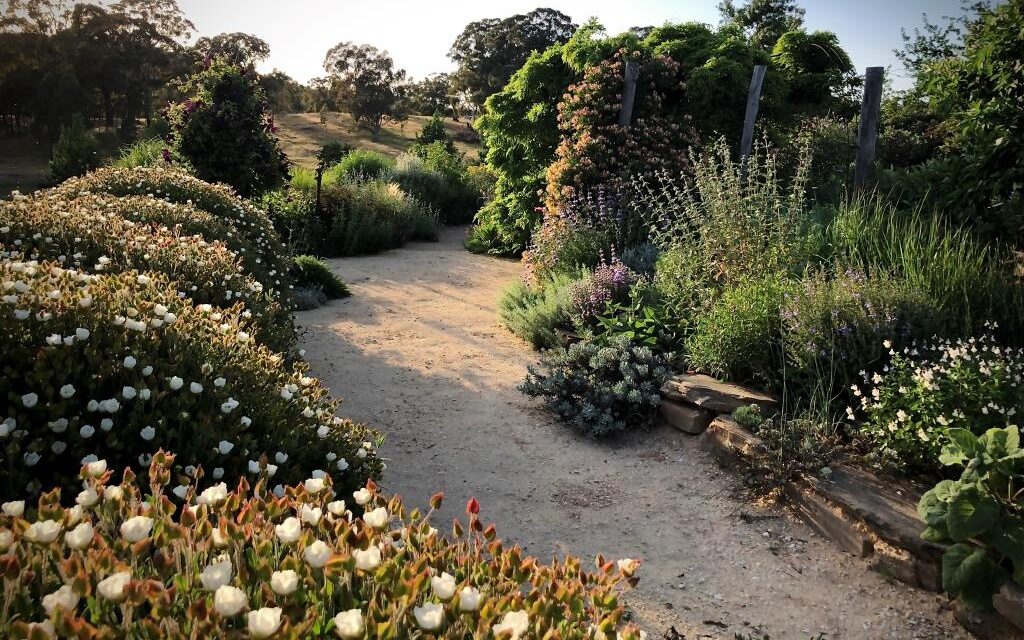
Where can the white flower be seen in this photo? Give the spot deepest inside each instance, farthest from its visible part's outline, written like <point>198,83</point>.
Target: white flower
<point>628,566</point>
<point>80,537</point>
<point>136,528</point>
<point>469,599</point>
<point>317,554</point>
<point>176,383</point>
<point>64,598</point>
<point>229,405</point>
<point>360,453</point>
<point>14,508</point>
<point>106,424</point>
<point>214,495</point>
<point>114,493</point>
<point>218,473</point>
<point>362,496</point>
<point>87,431</point>
<point>219,382</point>
<point>378,518</point>
<point>143,279</point>
<point>336,507</point>
<point>46,627</point>
<point>314,485</point>
<point>129,362</point>
<point>195,387</point>
<point>87,497</point>
<point>148,433</point>
<point>216,574</point>
<point>44,531</point>
<point>264,622</point>
<point>288,531</point>
<point>228,600</point>
<point>367,560</point>
<point>225,447</point>
<point>284,582</point>
<point>342,464</point>
<point>128,392</point>
<point>310,515</point>
<point>322,431</point>
<point>6,539</point>
<point>286,394</point>
<point>82,333</point>
<point>443,585</point>
<point>514,622</point>
<point>282,458</point>
<point>30,400</point>
<point>32,458</point>
<point>67,391</point>
<point>147,370</point>
<point>349,624</point>
<point>112,587</point>
<point>429,616</point>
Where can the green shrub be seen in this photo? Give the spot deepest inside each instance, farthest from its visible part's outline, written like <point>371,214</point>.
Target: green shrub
<point>332,153</point>
<point>75,152</point>
<point>372,216</point>
<point>434,132</point>
<point>296,565</point>
<point>312,272</point>
<point>364,164</point>
<point>243,227</point>
<point>739,336</point>
<point>144,153</point>
<point>534,312</point>
<point>979,515</point>
<point>929,389</point>
<point>118,366</point>
<point>108,234</point>
<point>600,388</point>
<point>224,131</point>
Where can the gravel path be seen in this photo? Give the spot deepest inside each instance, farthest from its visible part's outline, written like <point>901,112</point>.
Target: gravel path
<point>418,352</point>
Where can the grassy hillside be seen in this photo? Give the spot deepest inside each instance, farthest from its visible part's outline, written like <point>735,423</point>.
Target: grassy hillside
<point>302,135</point>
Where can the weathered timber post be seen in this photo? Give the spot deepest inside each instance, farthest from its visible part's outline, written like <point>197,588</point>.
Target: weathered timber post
<point>753,101</point>
<point>867,131</point>
<point>629,77</point>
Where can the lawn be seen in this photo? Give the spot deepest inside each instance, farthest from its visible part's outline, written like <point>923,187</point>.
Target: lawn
<point>302,135</point>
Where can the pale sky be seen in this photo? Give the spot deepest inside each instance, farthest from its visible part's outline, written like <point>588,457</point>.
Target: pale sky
<point>418,34</point>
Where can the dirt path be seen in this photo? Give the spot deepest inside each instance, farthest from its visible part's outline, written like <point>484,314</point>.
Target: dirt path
<point>418,352</point>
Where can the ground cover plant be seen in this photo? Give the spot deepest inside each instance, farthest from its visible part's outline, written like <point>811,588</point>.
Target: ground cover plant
<point>316,560</point>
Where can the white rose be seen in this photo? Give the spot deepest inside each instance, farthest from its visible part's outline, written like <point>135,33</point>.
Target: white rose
<point>284,582</point>
<point>317,554</point>
<point>44,531</point>
<point>80,537</point>
<point>516,622</point>
<point>349,624</point>
<point>362,496</point>
<point>367,560</point>
<point>264,622</point>
<point>136,528</point>
<point>378,518</point>
<point>314,485</point>
<point>469,599</point>
<point>96,468</point>
<point>214,495</point>
<point>216,574</point>
<point>14,508</point>
<point>228,600</point>
<point>288,531</point>
<point>443,585</point>
<point>112,587</point>
<point>64,598</point>
<point>430,616</point>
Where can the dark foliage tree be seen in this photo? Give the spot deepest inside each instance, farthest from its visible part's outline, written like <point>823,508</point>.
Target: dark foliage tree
<point>764,21</point>
<point>369,86</point>
<point>224,131</point>
<point>489,51</point>
<point>284,93</point>
<point>239,49</point>
<point>433,94</point>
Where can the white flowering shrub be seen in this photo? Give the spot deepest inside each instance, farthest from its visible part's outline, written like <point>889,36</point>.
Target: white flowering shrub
<point>907,411</point>
<point>244,564</point>
<point>250,234</point>
<point>118,366</point>
<point>108,234</point>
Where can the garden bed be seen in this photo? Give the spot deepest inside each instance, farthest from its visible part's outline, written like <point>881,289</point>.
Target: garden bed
<point>869,516</point>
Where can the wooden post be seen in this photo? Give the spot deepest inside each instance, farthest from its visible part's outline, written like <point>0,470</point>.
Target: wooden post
<point>753,101</point>
<point>629,77</point>
<point>867,131</point>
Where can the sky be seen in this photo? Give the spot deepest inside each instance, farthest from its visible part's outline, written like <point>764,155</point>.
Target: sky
<point>418,34</point>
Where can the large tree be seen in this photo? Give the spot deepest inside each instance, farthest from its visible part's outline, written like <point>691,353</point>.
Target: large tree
<point>489,51</point>
<point>433,94</point>
<point>764,21</point>
<point>371,87</point>
<point>239,49</point>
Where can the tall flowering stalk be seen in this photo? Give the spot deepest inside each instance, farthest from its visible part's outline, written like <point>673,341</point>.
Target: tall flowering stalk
<point>243,563</point>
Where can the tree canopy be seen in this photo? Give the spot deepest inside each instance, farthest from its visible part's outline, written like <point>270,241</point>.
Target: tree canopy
<point>239,49</point>
<point>370,86</point>
<point>764,21</point>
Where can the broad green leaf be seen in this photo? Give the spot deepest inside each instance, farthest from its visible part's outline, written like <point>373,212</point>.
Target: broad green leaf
<point>970,574</point>
<point>971,513</point>
<point>962,441</point>
<point>1008,539</point>
<point>933,504</point>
